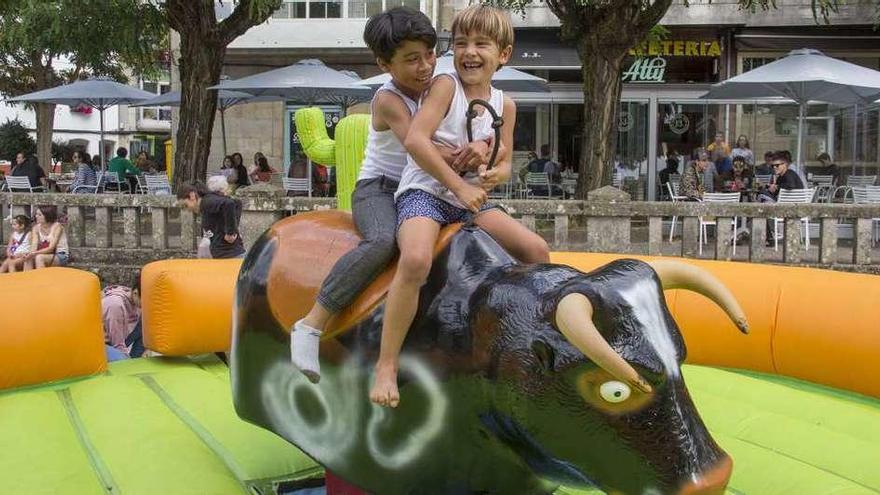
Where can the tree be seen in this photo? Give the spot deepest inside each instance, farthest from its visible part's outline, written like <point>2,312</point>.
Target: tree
<point>203,42</point>
<point>97,38</point>
<point>14,138</point>
<point>603,31</point>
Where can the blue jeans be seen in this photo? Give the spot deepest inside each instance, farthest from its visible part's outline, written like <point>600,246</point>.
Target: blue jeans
<point>114,354</point>
<point>375,216</point>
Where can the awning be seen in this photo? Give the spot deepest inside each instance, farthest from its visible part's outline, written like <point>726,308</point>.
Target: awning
<point>825,38</point>
<point>542,49</point>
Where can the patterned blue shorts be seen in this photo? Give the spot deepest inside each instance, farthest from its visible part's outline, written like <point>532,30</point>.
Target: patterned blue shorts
<point>417,203</point>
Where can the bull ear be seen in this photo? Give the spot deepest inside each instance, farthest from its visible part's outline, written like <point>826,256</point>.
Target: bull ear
<point>545,354</point>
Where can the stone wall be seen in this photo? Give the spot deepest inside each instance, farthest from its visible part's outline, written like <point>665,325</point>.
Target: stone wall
<point>114,235</point>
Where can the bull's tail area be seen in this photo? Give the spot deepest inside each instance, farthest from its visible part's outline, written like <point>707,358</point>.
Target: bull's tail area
<point>680,275</point>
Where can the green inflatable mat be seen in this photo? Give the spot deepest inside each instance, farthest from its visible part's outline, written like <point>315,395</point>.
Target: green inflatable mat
<point>787,436</point>
<point>166,425</point>
<point>157,425</point>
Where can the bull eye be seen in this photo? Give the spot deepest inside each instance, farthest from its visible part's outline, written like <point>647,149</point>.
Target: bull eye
<point>614,391</point>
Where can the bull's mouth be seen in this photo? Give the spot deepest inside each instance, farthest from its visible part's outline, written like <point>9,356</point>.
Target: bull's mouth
<point>711,481</point>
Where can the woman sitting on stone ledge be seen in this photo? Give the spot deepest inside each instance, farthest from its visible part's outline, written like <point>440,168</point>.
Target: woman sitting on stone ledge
<point>48,241</point>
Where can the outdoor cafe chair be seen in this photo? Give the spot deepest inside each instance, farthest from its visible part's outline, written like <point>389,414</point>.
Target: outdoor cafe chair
<point>869,195</point>
<point>540,180</point>
<point>824,185</point>
<point>141,184</point>
<point>845,192</point>
<point>764,179</point>
<point>297,186</point>
<point>157,184</point>
<point>793,196</point>
<point>732,197</point>
<point>85,189</point>
<point>21,184</point>
<point>113,184</point>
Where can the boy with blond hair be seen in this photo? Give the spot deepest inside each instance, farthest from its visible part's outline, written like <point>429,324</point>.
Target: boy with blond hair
<point>432,194</point>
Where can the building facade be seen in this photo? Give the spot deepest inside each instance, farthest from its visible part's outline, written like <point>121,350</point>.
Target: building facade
<point>661,110</point>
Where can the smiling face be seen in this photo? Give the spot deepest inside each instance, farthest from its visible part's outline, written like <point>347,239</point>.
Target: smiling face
<point>411,67</point>
<point>477,57</point>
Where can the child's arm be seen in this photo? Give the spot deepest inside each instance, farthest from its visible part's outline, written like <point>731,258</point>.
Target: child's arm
<point>9,246</point>
<point>418,143</point>
<point>393,113</point>
<point>501,171</point>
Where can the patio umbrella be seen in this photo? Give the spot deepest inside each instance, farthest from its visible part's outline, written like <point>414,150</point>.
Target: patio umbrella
<point>225,99</point>
<point>803,75</point>
<point>506,79</point>
<point>307,81</point>
<point>97,93</point>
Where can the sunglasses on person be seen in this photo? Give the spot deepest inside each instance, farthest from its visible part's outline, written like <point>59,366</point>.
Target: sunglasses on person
<point>777,164</point>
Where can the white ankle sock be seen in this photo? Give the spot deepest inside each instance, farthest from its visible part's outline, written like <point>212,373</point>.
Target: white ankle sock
<point>304,345</point>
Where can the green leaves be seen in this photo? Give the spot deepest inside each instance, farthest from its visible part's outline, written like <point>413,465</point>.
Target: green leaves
<point>97,37</point>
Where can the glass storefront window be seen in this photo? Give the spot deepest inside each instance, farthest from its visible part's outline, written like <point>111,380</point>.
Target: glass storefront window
<point>331,9</point>
<point>525,131</point>
<point>362,9</point>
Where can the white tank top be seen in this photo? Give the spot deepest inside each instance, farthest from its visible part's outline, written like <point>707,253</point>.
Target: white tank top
<point>452,132</point>
<point>385,154</point>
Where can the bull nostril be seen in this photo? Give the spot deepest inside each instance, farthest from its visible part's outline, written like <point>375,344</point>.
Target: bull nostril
<point>711,481</point>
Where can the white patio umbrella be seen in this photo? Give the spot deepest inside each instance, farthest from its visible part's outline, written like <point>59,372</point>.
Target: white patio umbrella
<point>99,93</point>
<point>308,81</point>
<point>225,99</point>
<point>506,79</point>
<point>803,75</point>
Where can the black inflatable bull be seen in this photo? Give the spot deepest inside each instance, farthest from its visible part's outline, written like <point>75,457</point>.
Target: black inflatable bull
<point>514,379</point>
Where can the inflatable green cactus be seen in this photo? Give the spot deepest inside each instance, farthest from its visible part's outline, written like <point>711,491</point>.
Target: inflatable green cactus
<point>346,152</point>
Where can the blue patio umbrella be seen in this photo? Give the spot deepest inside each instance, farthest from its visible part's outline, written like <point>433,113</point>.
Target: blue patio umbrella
<point>802,76</point>
<point>99,93</point>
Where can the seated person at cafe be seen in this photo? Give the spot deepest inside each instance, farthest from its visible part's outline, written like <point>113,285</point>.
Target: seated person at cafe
<point>124,168</point>
<point>691,186</point>
<point>671,169</point>
<point>85,178</point>
<point>31,169</point>
<point>765,168</point>
<point>738,178</point>
<point>783,178</point>
<point>828,167</point>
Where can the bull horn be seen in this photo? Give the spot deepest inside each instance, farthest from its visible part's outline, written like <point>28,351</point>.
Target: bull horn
<point>679,275</point>
<point>574,318</point>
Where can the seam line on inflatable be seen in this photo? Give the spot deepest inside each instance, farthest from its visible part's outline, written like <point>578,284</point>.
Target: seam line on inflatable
<point>817,467</point>
<point>773,327</point>
<point>200,431</point>
<point>101,469</point>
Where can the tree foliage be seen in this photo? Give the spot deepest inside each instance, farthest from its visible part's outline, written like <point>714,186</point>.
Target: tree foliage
<point>95,37</point>
<point>14,138</point>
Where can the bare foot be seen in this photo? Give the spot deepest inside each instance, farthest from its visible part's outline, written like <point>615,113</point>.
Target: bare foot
<point>384,391</point>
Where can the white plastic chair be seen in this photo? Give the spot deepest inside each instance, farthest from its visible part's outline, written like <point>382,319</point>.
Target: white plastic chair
<point>540,179</point>
<point>793,196</point>
<point>824,185</point>
<point>84,188</point>
<point>296,185</point>
<point>733,197</point>
<point>21,184</point>
<point>869,195</point>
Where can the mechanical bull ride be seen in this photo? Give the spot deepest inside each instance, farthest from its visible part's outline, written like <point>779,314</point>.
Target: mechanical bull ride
<point>514,379</point>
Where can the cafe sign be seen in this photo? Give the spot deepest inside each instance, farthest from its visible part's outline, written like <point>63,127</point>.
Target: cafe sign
<point>646,70</point>
<point>677,48</point>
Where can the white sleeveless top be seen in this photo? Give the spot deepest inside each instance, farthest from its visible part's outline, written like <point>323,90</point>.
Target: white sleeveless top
<point>385,154</point>
<point>452,132</point>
